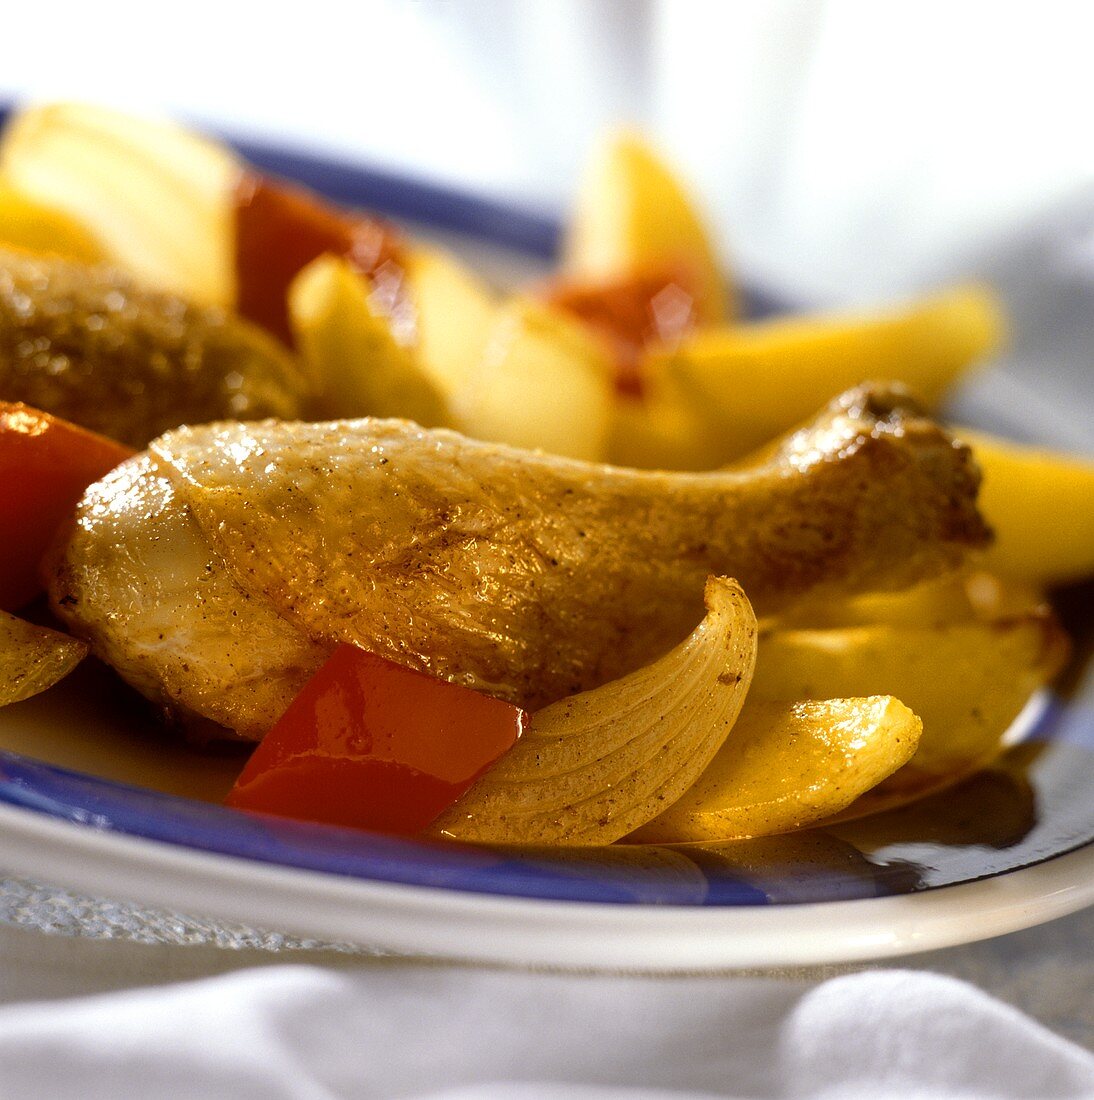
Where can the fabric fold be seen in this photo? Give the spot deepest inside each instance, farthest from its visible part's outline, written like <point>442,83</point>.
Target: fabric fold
<point>446,1032</point>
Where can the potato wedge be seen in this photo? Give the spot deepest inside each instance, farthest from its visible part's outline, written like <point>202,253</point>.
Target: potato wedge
<point>592,768</point>
<point>1041,504</point>
<point>354,362</point>
<point>38,227</point>
<point>786,765</point>
<point>455,314</point>
<point>962,597</point>
<point>662,431</point>
<point>158,199</point>
<point>994,807</point>
<point>632,214</point>
<point>33,658</point>
<point>966,681</point>
<point>543,383</point>
<point>756,380</point>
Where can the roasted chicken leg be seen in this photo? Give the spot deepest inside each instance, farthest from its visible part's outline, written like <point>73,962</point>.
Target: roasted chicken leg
<point>87,343</point>
<point>216,570</point>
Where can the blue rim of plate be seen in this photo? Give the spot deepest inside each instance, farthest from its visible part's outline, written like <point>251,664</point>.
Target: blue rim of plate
<point>1035,803</point>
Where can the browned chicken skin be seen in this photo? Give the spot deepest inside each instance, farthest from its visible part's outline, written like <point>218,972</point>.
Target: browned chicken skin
<point>90,345</point>
<point>524,575</point>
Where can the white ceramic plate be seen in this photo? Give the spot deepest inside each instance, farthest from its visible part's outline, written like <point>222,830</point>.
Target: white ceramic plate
<point>93,800</point>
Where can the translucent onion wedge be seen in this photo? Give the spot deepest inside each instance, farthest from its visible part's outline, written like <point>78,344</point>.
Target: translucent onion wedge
<point>592,768</point>
<point>352,357</point>
<point>786,765</point>
<point>157,199</point>
<point>33,658</point>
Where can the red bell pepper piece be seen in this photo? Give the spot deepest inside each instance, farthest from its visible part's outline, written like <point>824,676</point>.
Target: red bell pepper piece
<point>45,465</point>
<point>281,228</point>
<point>629,313</point>
<point>373,745</point>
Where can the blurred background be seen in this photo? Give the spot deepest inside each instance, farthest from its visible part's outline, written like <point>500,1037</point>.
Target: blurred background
<point>845,151</point>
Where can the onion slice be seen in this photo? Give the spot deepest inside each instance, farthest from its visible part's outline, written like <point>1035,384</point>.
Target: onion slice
<point>592,768</point>
<point>33,658</point>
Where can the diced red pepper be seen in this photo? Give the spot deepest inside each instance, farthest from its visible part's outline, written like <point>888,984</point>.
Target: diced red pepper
<point>45,466</point>
<point>373,745</point>
<point>629,313</point>
<point>281,228</point>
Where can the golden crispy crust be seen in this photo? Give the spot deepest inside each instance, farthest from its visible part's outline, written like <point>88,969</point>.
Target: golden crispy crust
<point>534,577</point>
<point>89,344</point>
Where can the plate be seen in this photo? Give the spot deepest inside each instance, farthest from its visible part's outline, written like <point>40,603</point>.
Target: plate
<point>91,800</point>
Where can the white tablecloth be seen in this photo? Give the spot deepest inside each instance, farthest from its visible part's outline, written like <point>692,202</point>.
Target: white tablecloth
<point>108,1018</point>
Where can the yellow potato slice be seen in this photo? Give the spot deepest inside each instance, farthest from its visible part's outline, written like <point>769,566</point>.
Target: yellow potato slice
<point>1041,504</point>
<point>632,214</point>
<point>966,681</point>
<point>592,768</point>
<point>353,360</point>
<point>755,381</point>
<point>542,383</point>
<point>455,312</point>
<point>37,227</point>
<point>963,597</point>
<point>158,199</point>
<point>662,431</point>
<point>786,765</point>
<point>33,658</point>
